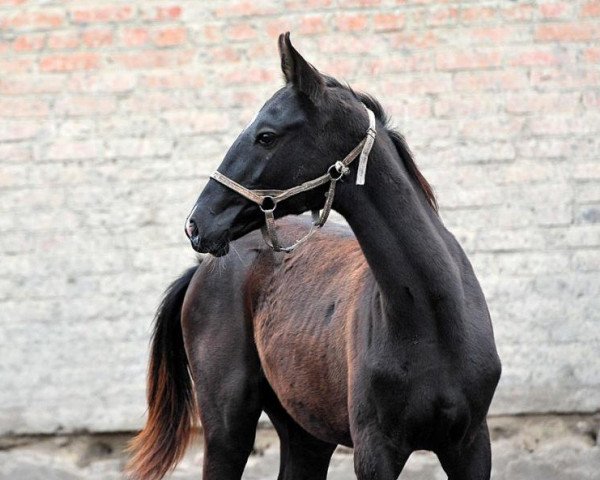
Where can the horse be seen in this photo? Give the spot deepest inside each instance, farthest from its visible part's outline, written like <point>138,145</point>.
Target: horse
<point>376,336</point>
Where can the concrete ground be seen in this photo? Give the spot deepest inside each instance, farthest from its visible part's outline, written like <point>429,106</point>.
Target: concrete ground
<point>524,448</point>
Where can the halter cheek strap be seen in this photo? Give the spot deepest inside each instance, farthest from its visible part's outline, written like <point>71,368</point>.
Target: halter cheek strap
<point>267,200</point>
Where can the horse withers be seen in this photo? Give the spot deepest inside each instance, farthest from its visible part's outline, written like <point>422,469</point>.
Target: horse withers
<point>378,338</point>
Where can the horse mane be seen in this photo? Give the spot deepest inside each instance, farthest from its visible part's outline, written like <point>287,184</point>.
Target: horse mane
<point>397,138</point>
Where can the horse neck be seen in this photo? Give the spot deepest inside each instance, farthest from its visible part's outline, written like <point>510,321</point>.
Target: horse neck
<point>412,256</point>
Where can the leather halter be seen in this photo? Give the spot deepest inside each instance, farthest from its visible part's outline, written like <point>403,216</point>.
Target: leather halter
<point>267,200</point>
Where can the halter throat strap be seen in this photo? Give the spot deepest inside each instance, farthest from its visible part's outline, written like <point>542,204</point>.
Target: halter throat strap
<point>267,200</point>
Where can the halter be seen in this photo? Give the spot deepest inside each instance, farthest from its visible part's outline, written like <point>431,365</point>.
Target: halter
<point>267,200</point>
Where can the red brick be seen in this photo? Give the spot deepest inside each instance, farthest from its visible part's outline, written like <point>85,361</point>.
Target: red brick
<point>212,33</point>
<point>358,3</point>
<point>477,14</point>
<point>97,38</point>
<point>497,80</point>
<point>275,27</point>
<point>518,12</point>
<point>30,84</point>
<point>424,39</point>
<point>461,60</point>
<point>135,37</point>
<point>389,21</point>
<point>491,34</point>
<point>70,62</point>
<point>168,37</point>
<point>241,31</point>
<point>29,43</point>
<point>351,23</point>
<point>554,10</point>
<point>249,76</point>
<point>353,45</point>
<point>172,12</point>
<point>157,101</point>
<point>33,20</point>
<point>113,13</point>
<point>308,4</point>
<point>23,107</point>
<point>228,54</point>
<point>255,52</point>
<point>311,25</point>
<point>62,41</point>
<point>153,59</point>
<point>246,97</point>
<point>591,9</point>
<point>341,67</point>
<point>441,16</point>
<point>568,31</point>
<point>247,9</point>
<point>173,80</point>
<point>592,55</point>
<point>533,56</point>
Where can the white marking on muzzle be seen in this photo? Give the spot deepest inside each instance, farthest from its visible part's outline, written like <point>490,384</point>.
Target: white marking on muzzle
<point>190,215</point>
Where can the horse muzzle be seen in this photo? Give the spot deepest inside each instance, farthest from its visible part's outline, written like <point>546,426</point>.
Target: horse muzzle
<point>204,243</point>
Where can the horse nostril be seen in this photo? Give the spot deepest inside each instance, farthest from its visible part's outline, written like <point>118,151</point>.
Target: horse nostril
<point>191,229</point>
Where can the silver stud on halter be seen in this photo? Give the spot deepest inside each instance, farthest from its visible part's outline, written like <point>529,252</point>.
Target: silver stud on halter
<point>267,200</point>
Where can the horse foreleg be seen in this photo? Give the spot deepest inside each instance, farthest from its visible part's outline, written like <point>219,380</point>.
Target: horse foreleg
<point>375,458</point>
<point>470,462</point>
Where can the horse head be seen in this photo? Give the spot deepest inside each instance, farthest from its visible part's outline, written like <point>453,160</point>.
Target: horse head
<point>302,130</point>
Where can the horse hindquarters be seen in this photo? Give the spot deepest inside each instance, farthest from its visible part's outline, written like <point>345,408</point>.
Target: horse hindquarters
<point>224,365</point>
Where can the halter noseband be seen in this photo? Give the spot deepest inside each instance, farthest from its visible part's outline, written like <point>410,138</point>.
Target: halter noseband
<point>267,200</point>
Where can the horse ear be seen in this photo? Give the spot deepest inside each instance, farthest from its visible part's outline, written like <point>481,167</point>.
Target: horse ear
<point>299,72</point>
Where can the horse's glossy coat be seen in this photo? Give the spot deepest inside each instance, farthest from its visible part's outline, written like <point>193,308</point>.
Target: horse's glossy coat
<point>379,338</point>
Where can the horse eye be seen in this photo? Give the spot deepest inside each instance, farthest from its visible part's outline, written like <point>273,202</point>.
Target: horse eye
<point>266,138</point>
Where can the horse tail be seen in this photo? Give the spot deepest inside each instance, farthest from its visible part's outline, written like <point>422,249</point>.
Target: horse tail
<point>171,406</point>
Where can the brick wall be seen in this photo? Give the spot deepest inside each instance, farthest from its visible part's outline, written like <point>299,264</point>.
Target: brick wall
<point>113,114</point>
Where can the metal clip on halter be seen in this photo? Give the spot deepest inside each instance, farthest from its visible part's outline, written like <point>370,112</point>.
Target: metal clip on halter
<point>267,200</point>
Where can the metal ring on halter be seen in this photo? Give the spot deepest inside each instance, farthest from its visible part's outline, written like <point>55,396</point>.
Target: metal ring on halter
<point>267,198</point>
<point>341,170</point>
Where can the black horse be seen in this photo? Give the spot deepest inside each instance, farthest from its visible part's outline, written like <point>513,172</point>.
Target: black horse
<point>378,339</point>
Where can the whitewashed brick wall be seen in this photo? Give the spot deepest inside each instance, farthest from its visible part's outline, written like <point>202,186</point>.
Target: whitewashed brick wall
<point>113,114</point>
